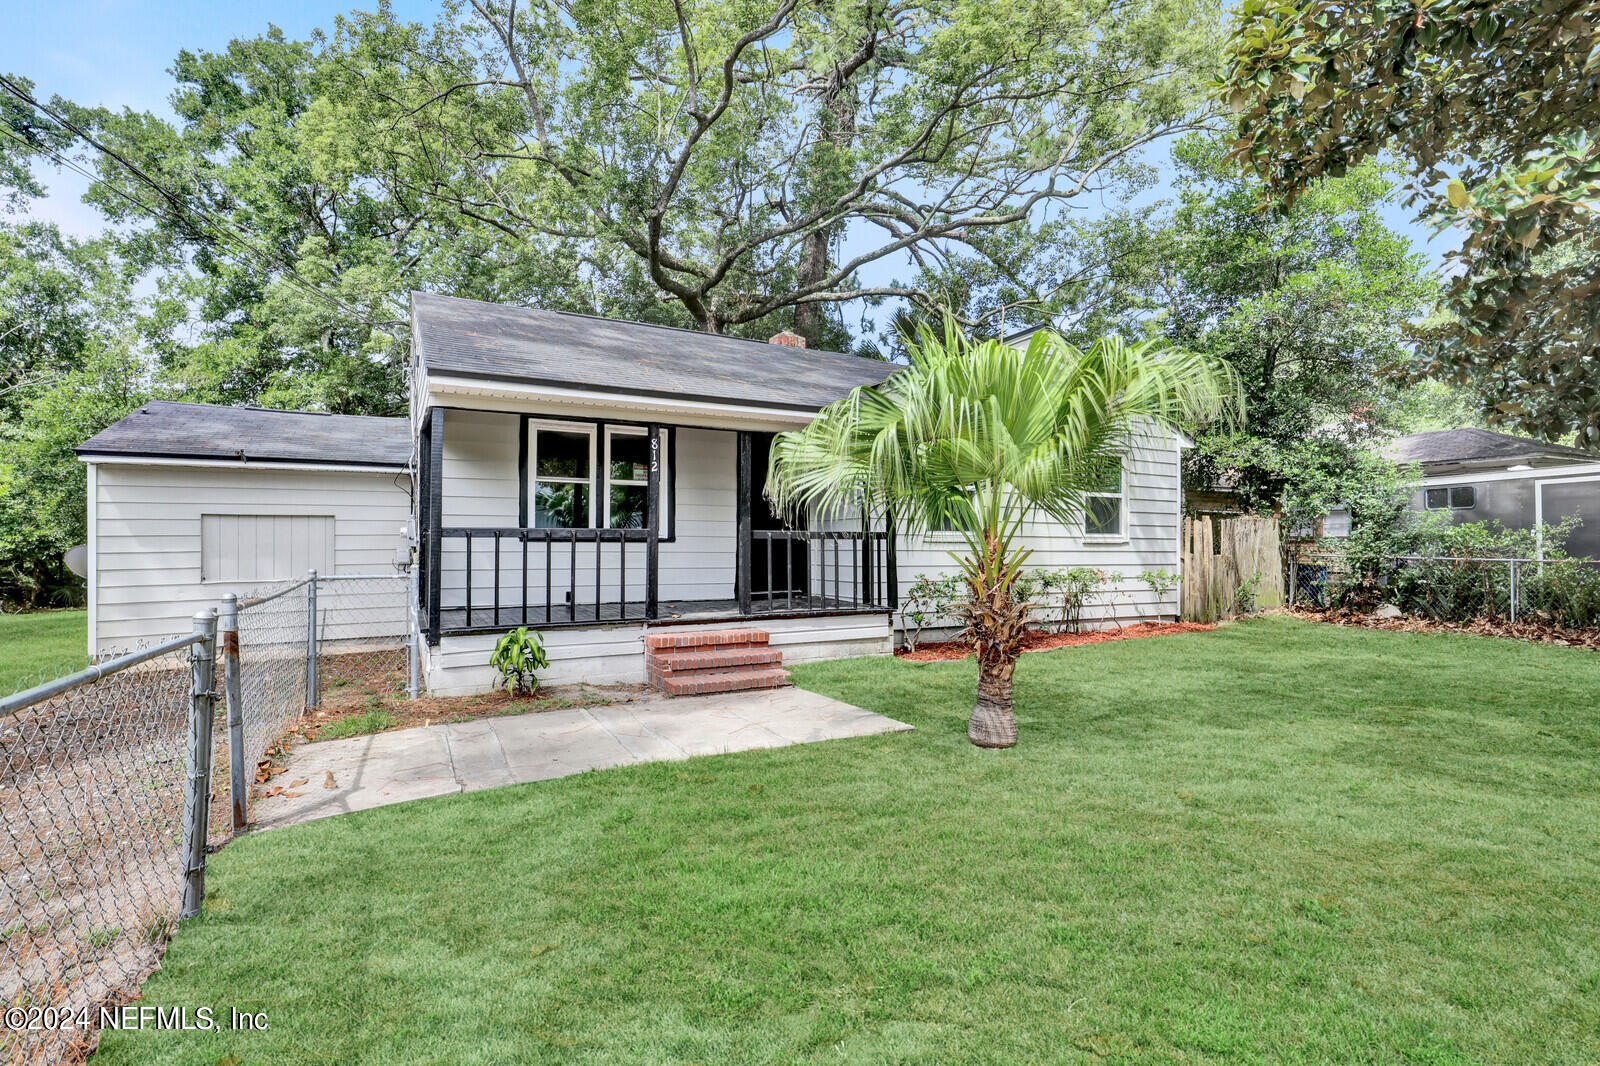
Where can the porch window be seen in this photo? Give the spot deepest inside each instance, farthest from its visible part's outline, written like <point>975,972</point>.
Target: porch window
<point>585,475</point>
<point>627,477</point>
<point>627,488</point>
<point>1105,505</point>
<point>561,462</point>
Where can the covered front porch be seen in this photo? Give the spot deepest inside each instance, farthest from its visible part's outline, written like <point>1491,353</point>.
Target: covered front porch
<point>608,522</point>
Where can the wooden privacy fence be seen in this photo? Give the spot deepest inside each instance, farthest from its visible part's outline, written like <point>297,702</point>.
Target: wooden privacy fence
<point>1220,557</point>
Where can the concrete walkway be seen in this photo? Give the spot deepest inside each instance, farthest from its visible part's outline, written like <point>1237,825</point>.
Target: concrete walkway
<point>361,772</point>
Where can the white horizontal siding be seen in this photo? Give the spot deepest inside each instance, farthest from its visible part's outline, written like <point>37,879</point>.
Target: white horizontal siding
<point>1152,499</point>
<point>148,535</point>
<point>481,487</point>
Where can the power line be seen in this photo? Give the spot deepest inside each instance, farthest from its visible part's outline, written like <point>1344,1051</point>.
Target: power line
<point>227,236</point>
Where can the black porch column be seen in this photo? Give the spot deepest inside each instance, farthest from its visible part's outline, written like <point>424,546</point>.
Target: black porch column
<point>434,504</point>
<point>744,482</point>
<point>652,512</point>
<point>891,567</point>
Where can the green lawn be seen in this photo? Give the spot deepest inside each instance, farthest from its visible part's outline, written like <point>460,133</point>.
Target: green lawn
<point>1274,843</point>
<point>41,646</point>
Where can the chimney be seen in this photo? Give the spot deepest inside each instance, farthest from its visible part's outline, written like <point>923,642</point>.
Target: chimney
<point>793,340</point>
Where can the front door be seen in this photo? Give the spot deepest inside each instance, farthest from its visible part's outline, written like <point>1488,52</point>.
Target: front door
<point>787,572</point>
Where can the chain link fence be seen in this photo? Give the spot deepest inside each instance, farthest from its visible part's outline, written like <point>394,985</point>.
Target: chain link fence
<point>107,802</point>
<point>1558,591</point>
<point>98,836</point>
<point>295,639</point>
<point>362,632</point>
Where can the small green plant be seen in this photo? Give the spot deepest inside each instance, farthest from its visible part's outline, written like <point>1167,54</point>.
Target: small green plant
<point>1161,582</point>
<point>103,936</point>
<point>928,598</point>
<point>1244,597</point>
<point>518,656</point>
<point>1073,588</point>
<point>358,725</point>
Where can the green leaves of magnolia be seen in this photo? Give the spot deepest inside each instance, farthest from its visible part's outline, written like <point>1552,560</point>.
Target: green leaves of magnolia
<point>1507,88</point>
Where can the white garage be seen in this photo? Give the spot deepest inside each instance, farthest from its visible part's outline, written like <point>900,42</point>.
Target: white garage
<point>188,502</point>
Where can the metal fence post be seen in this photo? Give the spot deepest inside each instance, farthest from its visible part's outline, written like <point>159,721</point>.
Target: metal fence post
<point>197,785</point>
<point>1294,578</point>
<point>1513,590</point>
<point>311,640</point>
<point>238,762</point>
<point>414,634</point>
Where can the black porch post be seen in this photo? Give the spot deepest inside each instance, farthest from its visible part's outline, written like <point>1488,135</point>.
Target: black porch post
<point>865,579</point>
<point>435,505</point>
<point>652,561</point>
<point>744,482</point>
<point>889,559</point>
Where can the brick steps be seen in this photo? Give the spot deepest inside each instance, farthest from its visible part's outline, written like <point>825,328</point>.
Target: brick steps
<point>718,660</point>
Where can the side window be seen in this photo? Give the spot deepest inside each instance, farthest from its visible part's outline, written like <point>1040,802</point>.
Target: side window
<point>1457,497</point>
<point>1105,505</point>
<point>560,469</point>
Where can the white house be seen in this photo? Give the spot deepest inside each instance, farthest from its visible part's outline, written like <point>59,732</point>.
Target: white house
<point>188,502</point>
<point>600,481</point>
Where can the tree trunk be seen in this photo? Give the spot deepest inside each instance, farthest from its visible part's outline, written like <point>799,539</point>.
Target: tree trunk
<point>993,725</point>
<point>815,264</point>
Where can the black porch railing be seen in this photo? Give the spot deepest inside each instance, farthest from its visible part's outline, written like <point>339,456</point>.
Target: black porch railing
<point>495,578</point>
<point>546,577</point>
<point>484,579</point>
<point>812,570</point>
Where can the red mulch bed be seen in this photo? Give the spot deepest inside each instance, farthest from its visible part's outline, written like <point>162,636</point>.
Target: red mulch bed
<point>1040,640</point>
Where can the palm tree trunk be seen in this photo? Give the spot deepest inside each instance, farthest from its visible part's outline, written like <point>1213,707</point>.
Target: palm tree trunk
<point>993,725</point>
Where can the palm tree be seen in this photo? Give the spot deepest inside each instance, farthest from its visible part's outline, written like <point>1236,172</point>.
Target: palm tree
<point>976,436</point>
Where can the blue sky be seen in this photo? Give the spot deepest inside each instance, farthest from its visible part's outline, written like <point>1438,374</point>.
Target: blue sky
<point>116,53</point>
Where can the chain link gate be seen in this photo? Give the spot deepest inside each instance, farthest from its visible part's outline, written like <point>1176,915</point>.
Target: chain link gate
<point>107,799</point>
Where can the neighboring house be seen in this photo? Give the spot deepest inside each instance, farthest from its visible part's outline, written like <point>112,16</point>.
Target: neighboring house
<point>188,502</point>
<point>1474,475</point>
<point>603,482</point>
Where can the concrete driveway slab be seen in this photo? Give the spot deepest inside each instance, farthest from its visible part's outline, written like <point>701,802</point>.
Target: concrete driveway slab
<point>365,772</point>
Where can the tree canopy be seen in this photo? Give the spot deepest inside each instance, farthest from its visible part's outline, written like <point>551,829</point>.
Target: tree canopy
<point>1309,305</point>
<point>1495,105</point>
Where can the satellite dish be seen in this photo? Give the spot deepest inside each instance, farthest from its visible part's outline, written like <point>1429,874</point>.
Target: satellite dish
<point>77,560</point>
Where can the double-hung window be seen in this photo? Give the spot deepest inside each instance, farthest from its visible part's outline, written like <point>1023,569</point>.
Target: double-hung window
<point>627,476</point>
<point>560,476</point>
<point>1105,504</point>
<point>587,476</point>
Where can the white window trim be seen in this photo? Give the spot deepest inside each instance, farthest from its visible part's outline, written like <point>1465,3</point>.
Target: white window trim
<point>605,469</point>
<point>1121,496</point>
<point>534,426</point>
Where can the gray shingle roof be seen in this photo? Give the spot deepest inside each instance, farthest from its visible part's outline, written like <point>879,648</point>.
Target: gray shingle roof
<point>1479,446</point>
<point>468,338</point>
<point>167,430</point>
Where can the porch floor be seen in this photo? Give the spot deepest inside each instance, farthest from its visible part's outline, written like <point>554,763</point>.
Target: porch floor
<point>457,619</point>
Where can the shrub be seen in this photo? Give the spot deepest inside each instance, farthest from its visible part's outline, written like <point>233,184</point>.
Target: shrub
<point>927,599</point>
<point>1072,589</point>
<point>1161,582</point>
<point>1453,574</point>
<point>517,656</point>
